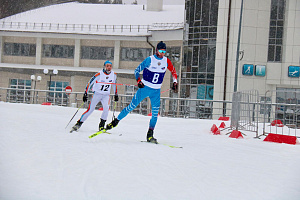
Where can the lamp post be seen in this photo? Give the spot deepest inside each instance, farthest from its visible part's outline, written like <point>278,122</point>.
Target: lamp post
<point>54,72</point>
<point>238,50</point>
<point>38,78</point>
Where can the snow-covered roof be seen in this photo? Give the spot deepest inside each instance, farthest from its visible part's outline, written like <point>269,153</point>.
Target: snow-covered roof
<point>99,19</point>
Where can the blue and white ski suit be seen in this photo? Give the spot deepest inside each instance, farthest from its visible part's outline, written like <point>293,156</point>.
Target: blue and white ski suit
<point>154,69</point>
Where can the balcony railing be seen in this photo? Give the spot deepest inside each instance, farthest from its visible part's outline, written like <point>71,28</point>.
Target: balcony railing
<point>88,28</point>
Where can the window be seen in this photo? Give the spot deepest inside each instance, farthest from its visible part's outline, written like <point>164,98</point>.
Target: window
<point>198,63</point>
<point>173,53</point>
<point>276,31</point>
<point>135,54</point>
<point>19,49</point>
<point>58,51</point>
<point>57,98</point>
<point>97,53</point>
<point>19,95</point>
<point>288,109</point>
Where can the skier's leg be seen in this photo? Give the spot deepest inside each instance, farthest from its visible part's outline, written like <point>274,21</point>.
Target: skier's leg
<point>105,100</point>
<point>155,104</point>
<point>141,94</point>
<point>91,108</point>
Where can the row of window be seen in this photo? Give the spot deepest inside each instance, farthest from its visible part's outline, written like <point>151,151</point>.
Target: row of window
<point>87,52</point>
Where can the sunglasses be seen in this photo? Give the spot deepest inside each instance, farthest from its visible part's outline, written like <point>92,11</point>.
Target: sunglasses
<point>162,51</point>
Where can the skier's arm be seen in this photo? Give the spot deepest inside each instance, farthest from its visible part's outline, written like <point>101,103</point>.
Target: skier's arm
<point>145,64</point>
<point>172,70</point>
<point>90,83</point>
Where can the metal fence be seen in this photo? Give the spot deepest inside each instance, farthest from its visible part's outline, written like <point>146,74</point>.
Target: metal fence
<point>170,107</point>
<point>84,28</point>
<point>248,111</point>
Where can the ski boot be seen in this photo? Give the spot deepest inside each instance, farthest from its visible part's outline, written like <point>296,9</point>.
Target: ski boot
<point>76,126</point>
<point>101,124</point>
<point>112,124</point>
<point>150,137</point>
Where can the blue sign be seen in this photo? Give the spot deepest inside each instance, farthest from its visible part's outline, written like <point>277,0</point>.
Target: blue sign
<point>247,69</point>
<point>294,71</point>
<point>205,92</point>
<point>260,70</point>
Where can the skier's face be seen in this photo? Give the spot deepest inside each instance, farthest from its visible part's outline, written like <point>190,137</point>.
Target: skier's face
<point>160,52</point>
<point>108,67</point>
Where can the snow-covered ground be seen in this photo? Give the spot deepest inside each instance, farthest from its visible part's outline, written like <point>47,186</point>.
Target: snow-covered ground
<point>41,160</point>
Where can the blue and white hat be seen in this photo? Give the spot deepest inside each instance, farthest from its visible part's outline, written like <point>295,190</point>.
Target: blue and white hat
<point>107,62</point>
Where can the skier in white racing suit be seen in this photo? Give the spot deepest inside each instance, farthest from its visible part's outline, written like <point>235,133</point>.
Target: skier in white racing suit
<point>102,83</point>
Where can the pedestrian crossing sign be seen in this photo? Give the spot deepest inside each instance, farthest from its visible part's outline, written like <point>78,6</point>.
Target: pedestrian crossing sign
<point>247,69</point>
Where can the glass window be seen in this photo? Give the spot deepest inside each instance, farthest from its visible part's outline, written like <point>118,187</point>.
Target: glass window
<point>288,108</point>
<point>57,98</point>
<point>97,53</point>
<point>19,49</point>
<point>58,51</point>
<point>276,30</point>
<point>135,54</point>
<point>200,48</point>
<point>22,95</point>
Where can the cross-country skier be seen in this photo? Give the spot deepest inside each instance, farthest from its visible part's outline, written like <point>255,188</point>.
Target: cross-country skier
<point>102,82</point>
<point>154,68</point>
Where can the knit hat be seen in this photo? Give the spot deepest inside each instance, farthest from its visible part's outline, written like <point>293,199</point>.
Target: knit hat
<point>161,45</point>
<point>107,62</point>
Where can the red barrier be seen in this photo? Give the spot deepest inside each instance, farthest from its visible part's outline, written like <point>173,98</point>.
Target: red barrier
<point>47,103</point>
<point>214,128</point>
<point>281,139</point>
<point>277,122</point>
<point>222,125</point>
<point>236,134</point>
<point>224,118</point>
<point>217,132</point>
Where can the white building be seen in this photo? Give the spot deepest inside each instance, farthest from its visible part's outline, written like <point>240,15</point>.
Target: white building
<point>77,38</point>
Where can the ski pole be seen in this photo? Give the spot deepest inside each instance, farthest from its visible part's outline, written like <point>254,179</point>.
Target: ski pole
<point>74,114</point>
<point>114,110</point>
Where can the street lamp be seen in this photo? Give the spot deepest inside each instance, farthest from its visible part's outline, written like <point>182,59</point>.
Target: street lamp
<point>238,50</point>
<point>38,78</point>
<point>54,72</point>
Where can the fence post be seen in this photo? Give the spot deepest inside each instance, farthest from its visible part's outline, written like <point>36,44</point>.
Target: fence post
<point>236,105</point>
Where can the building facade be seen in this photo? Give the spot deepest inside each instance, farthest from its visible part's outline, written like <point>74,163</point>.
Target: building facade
<point>267,42</point>
<point>34,41</point>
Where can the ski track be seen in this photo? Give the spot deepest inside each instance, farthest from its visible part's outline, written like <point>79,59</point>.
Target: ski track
<point>40,159</point>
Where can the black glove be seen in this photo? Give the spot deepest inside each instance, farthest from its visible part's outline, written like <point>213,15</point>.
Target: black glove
<point>116,97</point>
<point>175,87</point>
<point>85,97</point>
<point>140,83</point>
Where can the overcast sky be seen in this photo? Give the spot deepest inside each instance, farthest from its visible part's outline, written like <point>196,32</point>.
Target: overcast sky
<point>166,2</point>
